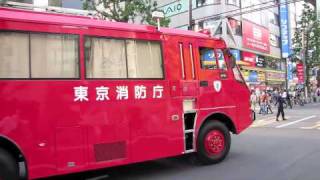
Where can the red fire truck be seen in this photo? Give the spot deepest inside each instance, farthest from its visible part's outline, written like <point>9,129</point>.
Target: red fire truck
<point>80,94</point>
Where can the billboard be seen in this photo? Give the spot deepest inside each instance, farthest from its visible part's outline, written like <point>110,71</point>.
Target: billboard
<point>255,37</point>
<point>177,7</point>
<point>284,29</point>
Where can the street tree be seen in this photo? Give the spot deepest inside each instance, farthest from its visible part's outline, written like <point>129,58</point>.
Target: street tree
<point>134,11</point>
<point>306,40</point>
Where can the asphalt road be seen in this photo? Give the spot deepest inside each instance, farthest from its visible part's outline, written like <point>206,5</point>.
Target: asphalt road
<point>268,150</point>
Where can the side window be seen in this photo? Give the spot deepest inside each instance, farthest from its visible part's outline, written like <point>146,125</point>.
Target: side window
<point>144,59</point>
<point>207,58</point>
<point>237,74</point>
<point>14,58</point>
<point>105,58</point>
<point>114,58</point>
<point>221,60</point>
<point>31,55</point>
<point>54,56</point>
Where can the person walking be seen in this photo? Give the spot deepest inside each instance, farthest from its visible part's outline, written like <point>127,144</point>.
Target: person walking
<point>317,94</point>
<point>288,97</point>
<point>280,101</point>
<point>269,103</point>
<point>253,100</point>
<point>262,100</point>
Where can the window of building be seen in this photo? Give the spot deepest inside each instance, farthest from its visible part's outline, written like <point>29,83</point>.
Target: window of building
<point>14,59</point>
<point>273,18</point>
<point>114,58</point>
<point>144,59</point>
<point>235,26</point>
<point>214,25</point>
<point>54,56</point>
<point>105,58</point>
<point>207,58</point>
<point>207,2</point>
<point>233,2</point>
<point>25,55</point>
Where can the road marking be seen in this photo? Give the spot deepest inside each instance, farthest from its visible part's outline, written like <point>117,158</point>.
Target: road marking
<point>297,121</point>
<point>266,121</point>
<point>317,126</point>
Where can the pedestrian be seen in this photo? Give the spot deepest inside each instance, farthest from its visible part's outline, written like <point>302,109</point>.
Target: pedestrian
<point>253,100</point>
<point>288,97</point>
<point>262,100</point>
<point>280,101</point>
<point>318,94</point>
<point>268,102</point>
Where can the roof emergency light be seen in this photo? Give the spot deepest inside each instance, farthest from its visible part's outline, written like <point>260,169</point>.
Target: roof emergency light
<point>158,15</point>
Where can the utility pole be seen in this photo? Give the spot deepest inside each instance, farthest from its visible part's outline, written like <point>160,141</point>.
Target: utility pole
<point>190,15</point>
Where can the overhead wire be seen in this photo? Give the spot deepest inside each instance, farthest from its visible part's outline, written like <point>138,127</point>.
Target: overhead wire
<point>240,11</point>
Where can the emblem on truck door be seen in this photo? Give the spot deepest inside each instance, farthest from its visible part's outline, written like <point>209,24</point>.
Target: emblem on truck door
<point>217,85</point>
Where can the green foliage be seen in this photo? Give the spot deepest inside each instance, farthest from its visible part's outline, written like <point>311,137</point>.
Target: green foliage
<point>306,39</point>
<point>125,11</point>
<point>307,36</point>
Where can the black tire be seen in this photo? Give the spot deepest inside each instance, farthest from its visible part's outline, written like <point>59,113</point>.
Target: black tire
<point>9,169</point>
<point>203,156</point>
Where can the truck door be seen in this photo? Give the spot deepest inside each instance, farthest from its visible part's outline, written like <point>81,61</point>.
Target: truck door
<point>211,84</point>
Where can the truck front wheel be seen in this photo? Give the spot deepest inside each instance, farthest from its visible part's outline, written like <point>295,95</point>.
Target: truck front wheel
<point>8,166</point>
<point>213,143</point>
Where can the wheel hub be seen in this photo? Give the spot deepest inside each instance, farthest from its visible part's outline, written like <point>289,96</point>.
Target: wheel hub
<point>214,142</point>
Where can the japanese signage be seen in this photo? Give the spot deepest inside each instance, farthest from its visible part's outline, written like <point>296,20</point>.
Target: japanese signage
<point>300,73</point>
<point>284,29</point>
<point>255,37</point>
<point>275,76</point>
<point>260,61</point>
<point>176,7</point>
<point>102,93</point>
<point>250,58</point>
<point>289,73</point>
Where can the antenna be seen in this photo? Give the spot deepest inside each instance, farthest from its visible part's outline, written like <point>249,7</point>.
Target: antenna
<point>50,9</point>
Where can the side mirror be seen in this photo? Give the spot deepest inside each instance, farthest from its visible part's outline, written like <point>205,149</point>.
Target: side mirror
<point>232,59</point>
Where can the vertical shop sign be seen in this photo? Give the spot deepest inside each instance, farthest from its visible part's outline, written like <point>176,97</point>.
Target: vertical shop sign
<point>289,73</point>
<point>300,73</point>
<point>284,28</point>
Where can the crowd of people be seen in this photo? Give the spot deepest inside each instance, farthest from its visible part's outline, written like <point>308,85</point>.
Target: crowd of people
<point>262,101</point>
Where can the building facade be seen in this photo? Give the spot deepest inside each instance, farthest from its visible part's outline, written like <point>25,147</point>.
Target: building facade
<point>251,29</point>
<point>74,4</point>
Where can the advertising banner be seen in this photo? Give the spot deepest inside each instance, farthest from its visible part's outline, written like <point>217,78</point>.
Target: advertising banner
<point>250,58</point>
<point>284,29</point>
<point>255,37</point>
<point>300,73</point>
